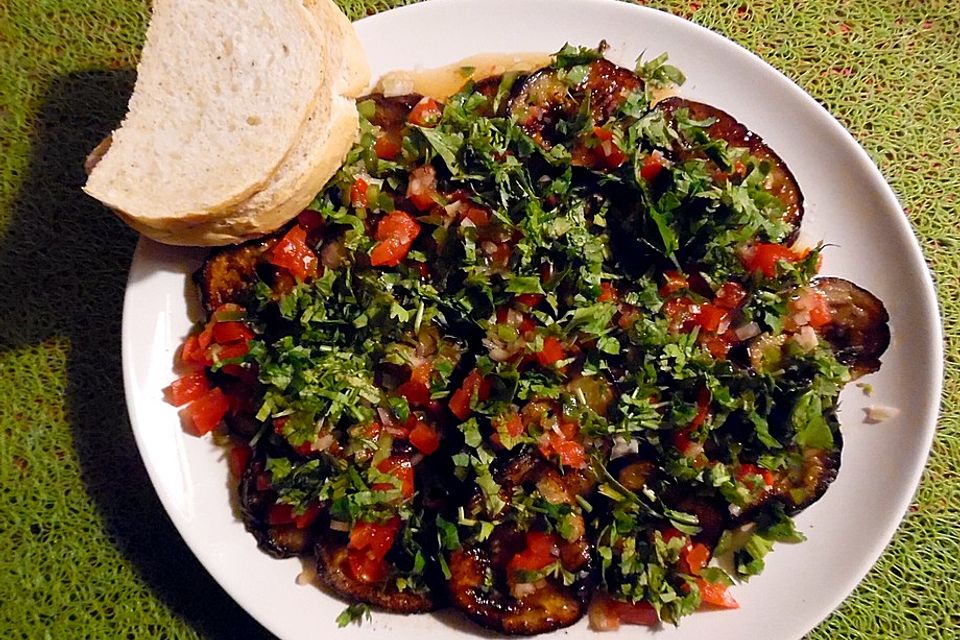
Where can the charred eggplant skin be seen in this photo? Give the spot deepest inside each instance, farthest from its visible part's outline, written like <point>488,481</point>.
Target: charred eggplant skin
<point>334,571</point>
<point>544,98</point>
<point>230,274</point>
<point>781,182</point>
<point>859,329</point>
<point>796,489</point>
<point>548,609</point>
<point>550,605</point>
<point>280,541</point>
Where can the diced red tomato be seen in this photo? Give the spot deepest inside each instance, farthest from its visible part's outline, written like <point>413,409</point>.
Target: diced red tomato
<point>358,193</point>
<point>187,388</point>
<point>820,313</point>
<point>304,448</point>
<point>417,388</point>
<point>670,533</point>
<point>422,187</point>
<point>205,337</point>
<point>748,469</point>
<point>293,254</point>
<point>636,613</point>
<point>563,445</point>
<point>226,332</point>
<point>552,352</point>
<point>473,385</point>
<point>368,545</point>
<point>308,517</point>
<point>542,549</point>
<point>764,258</point>
<point>192,354</point>
<point>607,153</point>
<point>571,453</point>
<point>682,441</point>
<point>718,346</point>
<point>711,316</point>
<point>479,216</point>
<point>682,313</point>
<point>703,408</point>
<point>206,412</point>
<point>426,113</point>
<point>510,423</point>
<point>395,232</point>
<point>416,393</point>
<point>501,253</point>
<point>696,555</point>
<point>400,468</point>
<point>673,281</point>
<point>310,220</point>
<point>387,146</point>
<point>608,292</point>
<point>729,295</point>
<point>280,514</point>
<point>652,165</point>
<point>238,458</point>
<point>716,595</point>
<point>229,351</point>
<point>531,300</point>
<point>425,438</point>
<point>376,537</point>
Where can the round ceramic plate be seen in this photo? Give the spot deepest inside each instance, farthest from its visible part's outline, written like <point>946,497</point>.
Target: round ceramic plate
<point>848,205</point>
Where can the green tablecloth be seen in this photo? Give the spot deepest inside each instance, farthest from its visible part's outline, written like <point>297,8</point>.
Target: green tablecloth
<point>86,550</point>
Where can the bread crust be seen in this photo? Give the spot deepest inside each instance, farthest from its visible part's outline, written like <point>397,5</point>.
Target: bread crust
<point>325,137</point>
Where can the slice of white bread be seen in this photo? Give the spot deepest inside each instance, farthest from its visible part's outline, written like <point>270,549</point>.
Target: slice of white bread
<point>214,152</point>
<point>319,152</point>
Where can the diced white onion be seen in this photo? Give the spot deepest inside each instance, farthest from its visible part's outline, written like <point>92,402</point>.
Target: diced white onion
<point>339,525</point>
<point>324,443</point>
<point>454,207</point>
<point>806,338</point>
<point>521,590</point>
<point>747,331</point>
<point>386,418</point>
<point>623,447</point>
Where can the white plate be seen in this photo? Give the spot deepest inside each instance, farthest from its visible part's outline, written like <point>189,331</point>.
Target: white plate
<point>848,205</point>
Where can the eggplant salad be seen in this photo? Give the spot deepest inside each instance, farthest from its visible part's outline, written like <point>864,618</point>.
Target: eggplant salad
<point>545,349</point>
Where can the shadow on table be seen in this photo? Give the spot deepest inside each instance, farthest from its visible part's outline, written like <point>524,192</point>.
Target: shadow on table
<point>63,266</point>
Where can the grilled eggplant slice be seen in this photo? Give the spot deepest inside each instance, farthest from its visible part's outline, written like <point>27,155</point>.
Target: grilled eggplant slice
<point>859,328</point>
<point>230,274</point>
<point>800,484</point>
<point>780,181</point>
<point>480,585</point>
<point>256,499</point>
<point>548,96</point>
<point>390,115</point>
<point>334,570</point>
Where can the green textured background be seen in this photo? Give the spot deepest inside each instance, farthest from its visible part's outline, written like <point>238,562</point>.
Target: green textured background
<point>86,549</point>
